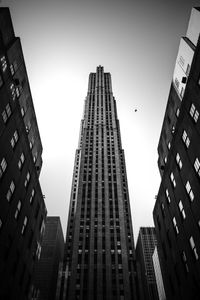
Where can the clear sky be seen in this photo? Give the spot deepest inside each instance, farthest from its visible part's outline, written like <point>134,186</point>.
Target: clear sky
<point>137,42</point>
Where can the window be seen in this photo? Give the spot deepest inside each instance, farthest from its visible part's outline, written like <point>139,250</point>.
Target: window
<point>21,161</point>
<point>194,113</point>
<point>10,191</point>
<point>3,166</point>
<point>177,112</point>
<point>185,139</point>
<point>14,139</point>
<point>162,209</point>
<point>38,250</point>
<point>3,63</point>
<point>189,190</point>
<point>179,161</point>
<point>42,227</point>
<point>177,83</point>
<point>193,248</point>
<point>24,225</point>
<point>17,90</point>
<point>22,111</point>
<point>180,205</point>
<point>28,126</point>
<point>12,70</point>
<point>175,225</point>
<point>6,113</point>
<point>188,70</point>
<point>167,195</point>
<point>18,209</point>
<point>197,166</point>
<point>173,179</point>
<point>182,92</point>
<point>13,91</point>
<point>27,179</point>
<point>184,260</point>
<point>32,196</point>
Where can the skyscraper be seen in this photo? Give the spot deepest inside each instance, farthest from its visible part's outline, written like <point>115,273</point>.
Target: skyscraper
<point>177,208</point>
<point>99,258</point>
<point>22,207</point>
<point>145,247</point>
<point>51,256</point>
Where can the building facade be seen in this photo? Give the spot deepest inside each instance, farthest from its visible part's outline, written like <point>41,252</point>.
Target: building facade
<point>99,259</point>
<point>158,275</point>
<point>47,267</point>
<point>22,208</point>
<point>177,209</point>
<point>145,247</point>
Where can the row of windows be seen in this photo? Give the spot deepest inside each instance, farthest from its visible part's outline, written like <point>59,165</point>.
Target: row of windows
<point>194,113</point>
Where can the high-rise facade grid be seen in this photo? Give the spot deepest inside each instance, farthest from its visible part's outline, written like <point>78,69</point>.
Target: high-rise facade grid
<point>22,207</point>
<point>177,208</point>
<point>99,259</point>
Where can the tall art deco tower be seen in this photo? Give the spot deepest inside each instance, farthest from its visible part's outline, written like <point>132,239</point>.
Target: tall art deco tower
<point>99,255</point>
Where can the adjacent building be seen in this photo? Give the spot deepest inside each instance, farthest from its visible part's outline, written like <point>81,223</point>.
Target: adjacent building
<point>177,209</point>
<point>145,247</point>
<point>47,267</point>
<point>158,275</point>
<point>22,208</point>
<point>99,258</point>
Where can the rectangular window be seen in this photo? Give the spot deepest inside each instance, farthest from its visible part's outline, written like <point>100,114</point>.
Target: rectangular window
<point>13,91</point>
<point>21,161</point>
<point>184,260</point>
<point>189,190</point>
<point>185,139</point>
<point>182,92</point>
<point>27,179</point>
<point>14,139</point>
<point>8,110</point>
<point>173,179</point>
<point>177,112</point>
<point>22,111</point>
<point>179,161</point>
<point>167,195</point>
<point>12,70</point>
<point>197,166</point>
<point>10,191</point>
<point>18,209</point>
<point>182,211</point>
<point>32,196</point>
<point>188,70</point>
<point>38,250</point>
<point>175,225</point>
<point>3,166</point>
<point>194,113</point>
<point>193,247</point>
<point>24,225</point>
<point>177,83</point>
<point>6,113</point>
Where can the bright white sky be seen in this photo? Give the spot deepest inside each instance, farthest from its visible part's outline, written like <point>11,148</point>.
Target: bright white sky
<point>137,42</point>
